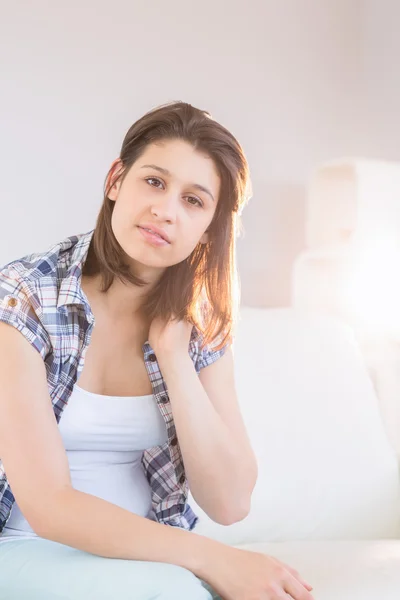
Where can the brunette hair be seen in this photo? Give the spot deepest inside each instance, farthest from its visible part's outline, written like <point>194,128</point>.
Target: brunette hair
<point>203,288</point>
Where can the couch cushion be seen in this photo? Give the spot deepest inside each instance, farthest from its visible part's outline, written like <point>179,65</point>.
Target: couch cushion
<point>326,468</point>
<point>351,570</point>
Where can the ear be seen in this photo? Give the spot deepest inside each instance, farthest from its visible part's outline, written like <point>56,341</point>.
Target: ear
<point>204,238</point>
<point>115,170</point>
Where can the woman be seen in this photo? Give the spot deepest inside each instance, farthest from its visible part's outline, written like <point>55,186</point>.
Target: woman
<point>126,340</point>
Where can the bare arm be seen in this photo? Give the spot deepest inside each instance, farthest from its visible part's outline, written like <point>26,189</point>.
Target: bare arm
<point>29,436</point>
<point>219,462</point>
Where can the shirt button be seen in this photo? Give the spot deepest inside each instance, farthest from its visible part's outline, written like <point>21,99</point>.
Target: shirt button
<point>182,479</point>
<point>164,399</point>
<point>152,357</point>
<point>174,441</point>
<point>12,302</point>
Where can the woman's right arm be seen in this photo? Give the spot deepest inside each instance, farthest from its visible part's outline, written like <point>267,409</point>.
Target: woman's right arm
<point>37,469</point>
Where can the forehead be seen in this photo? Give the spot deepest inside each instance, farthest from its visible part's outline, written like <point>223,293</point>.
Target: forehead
<point>183,161</point>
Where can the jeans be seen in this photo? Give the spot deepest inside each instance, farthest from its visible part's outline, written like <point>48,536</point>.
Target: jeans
<point>39,569</point>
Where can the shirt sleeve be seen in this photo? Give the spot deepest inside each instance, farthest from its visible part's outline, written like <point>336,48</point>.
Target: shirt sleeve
<point>16,310</point>
<point>209,354</point>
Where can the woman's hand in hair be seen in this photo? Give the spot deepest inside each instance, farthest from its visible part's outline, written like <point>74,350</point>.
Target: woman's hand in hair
<point>173,336</point>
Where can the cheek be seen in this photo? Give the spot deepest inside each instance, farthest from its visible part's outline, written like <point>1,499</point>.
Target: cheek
<point>122,220</point>
<point>126,207</point>
<point>191,236</point>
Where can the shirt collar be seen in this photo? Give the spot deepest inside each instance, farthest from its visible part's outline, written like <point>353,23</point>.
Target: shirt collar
<point>70,288</point>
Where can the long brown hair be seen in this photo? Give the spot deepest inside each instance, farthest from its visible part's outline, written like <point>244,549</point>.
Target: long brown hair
<point>203,288</point>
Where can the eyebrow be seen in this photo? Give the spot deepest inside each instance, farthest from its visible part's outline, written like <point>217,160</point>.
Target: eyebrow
<point>166,172</point>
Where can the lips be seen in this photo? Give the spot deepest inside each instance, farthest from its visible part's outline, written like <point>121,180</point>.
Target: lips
<point>156,231</point>
<point>152,238</point>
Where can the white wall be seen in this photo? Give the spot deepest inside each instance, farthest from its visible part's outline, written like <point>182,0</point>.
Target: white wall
<point>283,76</point>
<point>381,78</point>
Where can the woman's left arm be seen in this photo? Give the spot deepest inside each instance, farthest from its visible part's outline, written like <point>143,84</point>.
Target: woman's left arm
<point>219,462</point>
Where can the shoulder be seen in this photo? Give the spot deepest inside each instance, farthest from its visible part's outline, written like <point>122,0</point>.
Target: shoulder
<point>32,267</point>
<point>34,275</point>
<point>29,288</point>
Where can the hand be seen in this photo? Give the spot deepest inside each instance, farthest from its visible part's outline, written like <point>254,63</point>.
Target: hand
<point>244,575</point>
<point>170,336</point>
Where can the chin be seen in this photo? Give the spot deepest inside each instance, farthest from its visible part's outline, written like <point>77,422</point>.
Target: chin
<point>144,260</point>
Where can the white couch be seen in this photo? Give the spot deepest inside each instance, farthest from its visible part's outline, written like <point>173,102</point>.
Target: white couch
<point>327,500</point>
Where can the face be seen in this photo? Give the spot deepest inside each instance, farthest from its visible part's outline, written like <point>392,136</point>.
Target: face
<point>165,204</point>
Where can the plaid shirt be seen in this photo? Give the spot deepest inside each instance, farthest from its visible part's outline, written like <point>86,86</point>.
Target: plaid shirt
<point>41,296</point>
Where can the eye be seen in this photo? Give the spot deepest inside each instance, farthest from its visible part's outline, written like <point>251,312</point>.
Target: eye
<point>192,200</point>
<point>196,202</point>
<point>148,179</point>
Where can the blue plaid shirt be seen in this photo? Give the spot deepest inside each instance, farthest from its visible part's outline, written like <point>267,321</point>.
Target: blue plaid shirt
<point>41,296</point>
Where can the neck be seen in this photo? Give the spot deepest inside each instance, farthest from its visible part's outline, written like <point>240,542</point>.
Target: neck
<point>121,301</point>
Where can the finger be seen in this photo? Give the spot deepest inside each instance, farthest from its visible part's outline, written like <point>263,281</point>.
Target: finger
<point>296,590</point>
<point>295,574</point>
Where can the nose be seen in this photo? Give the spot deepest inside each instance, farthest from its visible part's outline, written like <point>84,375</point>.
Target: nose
<point>165,208</point>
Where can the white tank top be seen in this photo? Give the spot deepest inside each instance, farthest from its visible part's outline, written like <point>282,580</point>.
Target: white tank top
<point>104,438</point>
